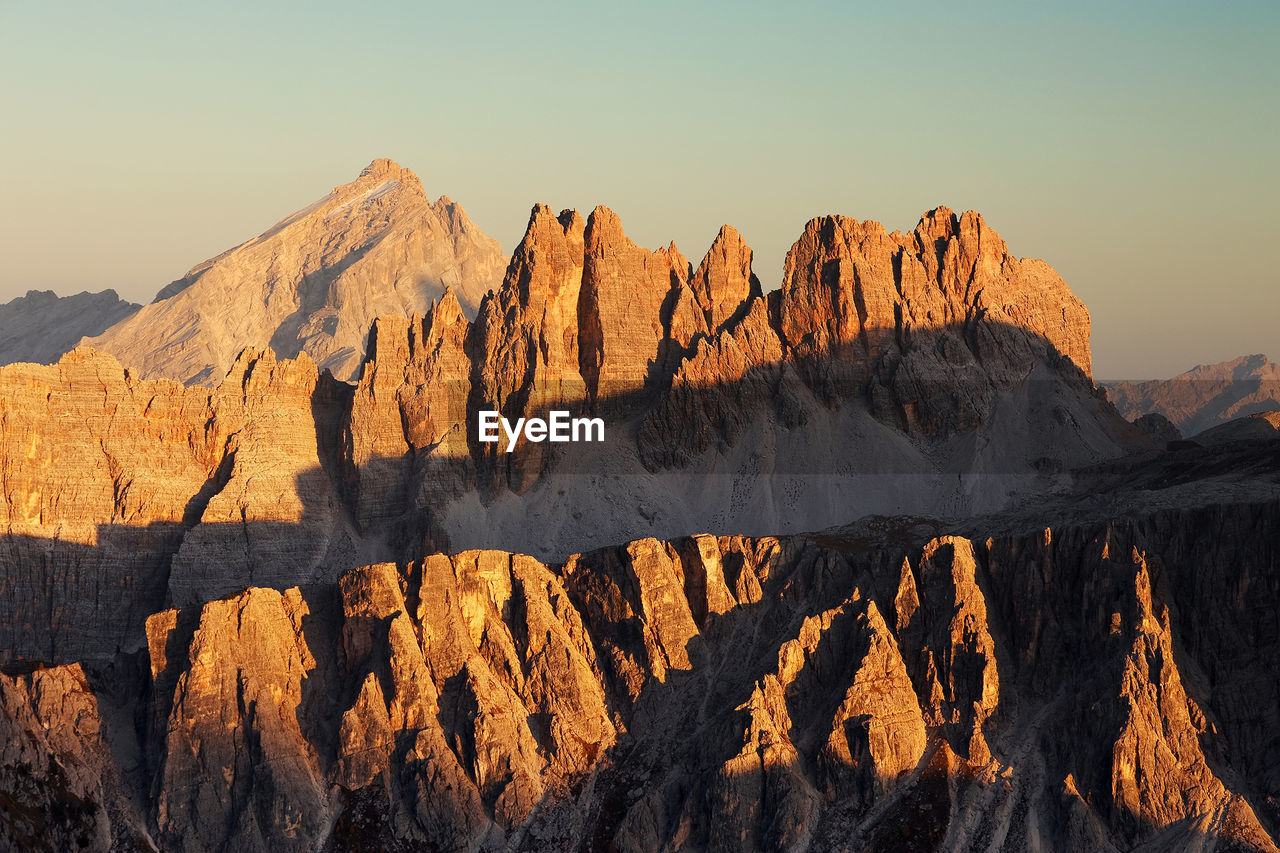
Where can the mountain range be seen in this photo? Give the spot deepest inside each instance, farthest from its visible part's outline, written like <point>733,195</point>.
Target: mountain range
<point>1205,396</point>
<point>864,562</point>
<point>921,373</point>
<point>314,282</point>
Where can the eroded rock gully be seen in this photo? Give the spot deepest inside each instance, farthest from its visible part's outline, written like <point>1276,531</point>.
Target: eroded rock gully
<point>1096,684</point>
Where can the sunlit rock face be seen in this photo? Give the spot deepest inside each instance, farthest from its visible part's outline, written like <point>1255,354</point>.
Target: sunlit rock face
<point>314,282</point>
<point>1093,683</point>
<point>884,361</point>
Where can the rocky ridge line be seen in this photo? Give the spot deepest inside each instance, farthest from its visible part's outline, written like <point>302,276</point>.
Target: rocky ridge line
<point>1206,396</point>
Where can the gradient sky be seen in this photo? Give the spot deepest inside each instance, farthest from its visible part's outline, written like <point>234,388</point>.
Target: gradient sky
<point>1135,146</point>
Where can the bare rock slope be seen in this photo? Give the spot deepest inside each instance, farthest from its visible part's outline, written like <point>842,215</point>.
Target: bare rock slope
<point>885,360</point>
<point>919,373</point>
<point>313,282</point>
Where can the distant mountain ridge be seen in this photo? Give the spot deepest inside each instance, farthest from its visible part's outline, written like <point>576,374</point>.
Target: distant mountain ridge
<point>929,370</point>
<point>313,282</point>
<point>41,326</point>
<point>1205,396</point>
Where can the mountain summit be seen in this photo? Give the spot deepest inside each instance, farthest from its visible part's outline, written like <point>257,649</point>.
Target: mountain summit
<point>314,282</point>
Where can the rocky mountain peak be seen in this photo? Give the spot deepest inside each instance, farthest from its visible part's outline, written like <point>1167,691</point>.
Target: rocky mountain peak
<point>381,177</point>
<point>604,227</point>
<point>625,305</point>
<point>724,282</point>
<point>681,269</point>
<point>869,334</point>
<point>314,282</point>
<point>1205,396</point>
<point>848,287</point>
<point>1255,366</point>
<point>939,224</point>
<point>448,309</point>
<point>384,168</point>
<point>548,262</point>
<point>293,613</point>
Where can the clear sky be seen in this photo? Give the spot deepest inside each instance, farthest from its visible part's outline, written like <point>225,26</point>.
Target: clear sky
<point>1135,146</point>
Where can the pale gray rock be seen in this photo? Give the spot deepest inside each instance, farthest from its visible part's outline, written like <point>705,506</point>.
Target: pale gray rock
<point>314,282</point>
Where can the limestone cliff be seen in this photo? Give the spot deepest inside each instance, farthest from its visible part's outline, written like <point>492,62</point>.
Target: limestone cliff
<point>120,494</point>
<point>252,616</point>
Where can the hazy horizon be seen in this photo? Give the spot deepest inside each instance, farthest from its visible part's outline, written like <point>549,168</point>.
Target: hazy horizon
<point>1133,148</point>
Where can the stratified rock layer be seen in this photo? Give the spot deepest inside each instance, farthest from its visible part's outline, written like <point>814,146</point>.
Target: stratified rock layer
<point>240,618</point>
<point>121,494</point>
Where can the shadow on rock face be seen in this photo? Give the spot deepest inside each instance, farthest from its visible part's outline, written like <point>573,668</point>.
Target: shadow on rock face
<point>1092,684</point>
